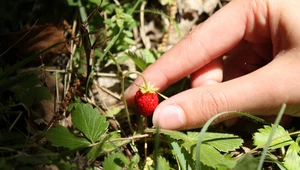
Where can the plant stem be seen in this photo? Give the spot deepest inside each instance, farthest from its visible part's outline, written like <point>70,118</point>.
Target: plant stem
<point>123,94</point>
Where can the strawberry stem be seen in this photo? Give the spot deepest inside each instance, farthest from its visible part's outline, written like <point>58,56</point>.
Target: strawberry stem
<point>163,96</point>
<point>124,100</point>
<point>140,74</point>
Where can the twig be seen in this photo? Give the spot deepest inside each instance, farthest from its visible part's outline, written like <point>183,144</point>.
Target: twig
<point>145,39</point>
<point>118,97</point>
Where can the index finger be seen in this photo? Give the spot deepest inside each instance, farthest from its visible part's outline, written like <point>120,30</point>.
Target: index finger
<point>208,41</point>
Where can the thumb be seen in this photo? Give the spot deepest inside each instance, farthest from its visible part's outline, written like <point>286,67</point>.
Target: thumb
<point>261,92</point>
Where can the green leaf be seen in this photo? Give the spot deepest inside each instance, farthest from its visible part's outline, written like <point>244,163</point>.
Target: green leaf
<point>97,2</point>
<point>60,136</point>
<point>150,56</point>
<point>211,157</point>
<point>184,159</point>
<point>72,2</point>
<point>292,158</point>
<point>213,143</point>
<point>163,164</point>
<point>106,145</point>
<point>113,111</point>
<point>140,62</point>
<point>222,141</point>
<point>172,133</point>
<point>281,137</point>
<point>134,161</point>
<point>115,161</point>
<point>89,121</point>
<point>247,162</point>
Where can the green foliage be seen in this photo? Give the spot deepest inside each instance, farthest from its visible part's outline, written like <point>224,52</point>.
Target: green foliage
<point>281,137</point>
<point>108,144</point>
<point>26,88</point>
<point>146,58</point>
<point>89,137</point>
<point>89,121</point>
<point>181,154</point>
<point>118,161</point>
<point>292,158</point>
<point>247,162</point>
<point>60,136</point>
<point>162,163</point>
<point>213,145</point>
<point>121,24</point>
<point>93,132</point>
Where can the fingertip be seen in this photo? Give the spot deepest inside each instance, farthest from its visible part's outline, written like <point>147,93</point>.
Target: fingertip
<point>129,94</point>
<point>169,117</point>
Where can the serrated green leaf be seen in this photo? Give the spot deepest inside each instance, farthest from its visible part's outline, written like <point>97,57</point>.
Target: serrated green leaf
<point>222,141</point>
<point>163,164</point>
<point>172,133</point>
<point>247,162</point>
<point>292,158</point>
<point>60,136</point>
<point>106,145</point>
<point>280,138</point>
<point>211,157</point>
<point>138,61</point>
<point>113,111</point>
<point>134,161</point>
<point>89,121</point>
<point>149,56</point>
<point>115,161</point>
<point>213,143</point>
<point>181,154</point>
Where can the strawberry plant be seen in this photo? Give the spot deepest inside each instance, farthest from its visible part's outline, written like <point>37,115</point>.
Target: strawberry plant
<point>73,115</point>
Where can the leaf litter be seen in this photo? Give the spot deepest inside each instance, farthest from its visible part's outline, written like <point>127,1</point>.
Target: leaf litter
<point>100,126</point>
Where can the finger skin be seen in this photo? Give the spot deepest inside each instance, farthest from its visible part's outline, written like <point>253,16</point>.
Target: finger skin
<point>202,45</point>
<point>261,92</point>
<point>211,73</point>
<point>250,93</point>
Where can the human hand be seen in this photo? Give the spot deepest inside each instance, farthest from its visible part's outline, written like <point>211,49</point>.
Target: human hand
<point>261,72</point>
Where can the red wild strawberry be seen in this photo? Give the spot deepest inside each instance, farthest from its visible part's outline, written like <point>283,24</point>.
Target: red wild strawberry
<point>146,99</point>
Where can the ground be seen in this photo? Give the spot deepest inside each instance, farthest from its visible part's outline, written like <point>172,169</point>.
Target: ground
<point>64,69</point>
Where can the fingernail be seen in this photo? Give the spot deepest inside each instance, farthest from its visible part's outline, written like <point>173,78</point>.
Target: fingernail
<point>169,117</point>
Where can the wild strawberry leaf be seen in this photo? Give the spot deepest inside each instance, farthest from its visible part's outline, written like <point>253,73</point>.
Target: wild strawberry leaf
<point>292,158</point>
<point>163,164</point>
<point>184,159</point>
<point>105,145</point>
<point>60,136</point>
<point>89,121</point>
<point>116,161</point>
<point>213,144</point>
<point>247,162</point>
<point>212,158</point>
<point>222,141</point>
<point>281,137</point>
<point>172,133</point>
<point>139,61</point>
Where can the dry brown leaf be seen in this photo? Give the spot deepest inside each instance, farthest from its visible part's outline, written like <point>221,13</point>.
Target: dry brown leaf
<point>37,39</point>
